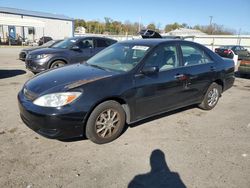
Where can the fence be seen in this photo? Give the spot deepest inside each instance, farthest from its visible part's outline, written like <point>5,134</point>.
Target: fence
<point>211,41</point>
<point>214,41</point>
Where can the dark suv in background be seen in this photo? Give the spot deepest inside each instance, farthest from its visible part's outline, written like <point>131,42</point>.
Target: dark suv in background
<point>25,51</point>
<point>68,51</point>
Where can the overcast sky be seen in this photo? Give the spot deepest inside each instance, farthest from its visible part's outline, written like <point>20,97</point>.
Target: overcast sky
<point>233,14</point>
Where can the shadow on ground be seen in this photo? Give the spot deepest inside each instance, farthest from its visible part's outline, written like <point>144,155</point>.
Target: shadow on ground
<point>10,73</point>
<point>161,116</point>
<point>141,122</point>
<point>160,176</point>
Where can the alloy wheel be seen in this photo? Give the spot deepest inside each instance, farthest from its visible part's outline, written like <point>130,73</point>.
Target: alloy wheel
<point>107,123</point>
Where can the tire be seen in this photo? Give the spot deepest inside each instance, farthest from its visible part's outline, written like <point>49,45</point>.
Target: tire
<point>105,123</point>
<point>56,64</point>
<point>211,97</point>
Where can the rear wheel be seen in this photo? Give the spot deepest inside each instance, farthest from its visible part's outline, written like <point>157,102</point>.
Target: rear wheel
<point>211,97</point>
<point>57,64</point>
<point>106,122</point>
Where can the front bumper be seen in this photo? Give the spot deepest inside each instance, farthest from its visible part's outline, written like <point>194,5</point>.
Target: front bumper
<point>56,123</point>
<point>22,55</point>
<point>36,65</point>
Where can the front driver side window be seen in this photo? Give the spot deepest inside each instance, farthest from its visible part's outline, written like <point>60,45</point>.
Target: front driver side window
<point>194,55</point>
<point>164,57</point>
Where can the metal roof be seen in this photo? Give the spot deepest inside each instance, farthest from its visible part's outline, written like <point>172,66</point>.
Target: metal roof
<point>34,13</point>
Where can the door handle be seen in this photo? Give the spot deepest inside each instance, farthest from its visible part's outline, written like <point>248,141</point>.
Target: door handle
<point>181,77</point>
<point>212,68</point>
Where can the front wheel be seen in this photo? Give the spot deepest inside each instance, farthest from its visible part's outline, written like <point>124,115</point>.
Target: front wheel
<point>211,97</point>
<point>57,64</point>
<point>106,122</point>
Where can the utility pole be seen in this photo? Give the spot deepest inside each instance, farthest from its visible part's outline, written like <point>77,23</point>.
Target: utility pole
<point>139,27</point>
<point>211,20</point>
<point>239,39</point>
<point>210,24</point>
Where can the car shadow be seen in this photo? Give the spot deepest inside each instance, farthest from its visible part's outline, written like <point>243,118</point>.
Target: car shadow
<point>159,176</point>
<point>75,139</point>
<point>161,116</point>
<point>10,73</point>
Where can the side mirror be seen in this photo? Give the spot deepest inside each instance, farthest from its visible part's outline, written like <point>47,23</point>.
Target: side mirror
<point>150,70</point>
<point>76,48</point>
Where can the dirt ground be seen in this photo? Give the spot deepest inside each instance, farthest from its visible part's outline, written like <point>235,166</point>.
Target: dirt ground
<point>185,148</point>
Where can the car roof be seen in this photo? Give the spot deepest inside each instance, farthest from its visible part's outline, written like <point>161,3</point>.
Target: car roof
<point>87,36</point>
<point>153,42</point>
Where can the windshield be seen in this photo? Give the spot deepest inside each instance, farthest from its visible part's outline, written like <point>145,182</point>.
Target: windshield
<point>67,43</point>
<point>47,44</point>
<point>119,57</point>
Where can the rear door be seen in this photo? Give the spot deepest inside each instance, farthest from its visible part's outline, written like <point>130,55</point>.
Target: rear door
<point>199,69</point>
<point>100,44</point>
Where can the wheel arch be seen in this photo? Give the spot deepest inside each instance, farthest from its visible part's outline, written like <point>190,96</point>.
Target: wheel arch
<point>220,83</point>
<point>57,59</point>
<point>121,101</point>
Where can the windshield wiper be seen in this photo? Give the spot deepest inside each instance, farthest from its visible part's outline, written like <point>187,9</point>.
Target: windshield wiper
<point>99,67</point>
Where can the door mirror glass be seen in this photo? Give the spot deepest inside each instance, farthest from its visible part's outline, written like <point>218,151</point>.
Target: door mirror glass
<point>150,70</point>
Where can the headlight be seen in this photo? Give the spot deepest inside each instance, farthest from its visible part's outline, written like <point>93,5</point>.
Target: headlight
<point>41,56</point>
<point>57,99</point>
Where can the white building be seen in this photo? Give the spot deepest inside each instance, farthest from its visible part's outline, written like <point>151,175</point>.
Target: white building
<point>185,32</point>
<point>80,30</point>
<point>32,25</point>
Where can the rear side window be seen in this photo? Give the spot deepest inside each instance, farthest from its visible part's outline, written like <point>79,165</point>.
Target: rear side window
<point>237,48</point>
<point>194,56</point>
<point>101,43</point>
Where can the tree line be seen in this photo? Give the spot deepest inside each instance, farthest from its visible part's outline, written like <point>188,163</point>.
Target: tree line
<point>113,27</point>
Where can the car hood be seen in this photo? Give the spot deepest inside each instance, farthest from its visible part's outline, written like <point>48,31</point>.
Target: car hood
<point>47,51</point>
<point>65,78</point>
<point>33,48</point>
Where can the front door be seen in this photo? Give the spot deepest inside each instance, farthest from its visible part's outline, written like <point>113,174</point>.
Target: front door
<point>85,50</point>
<point>159,91</point>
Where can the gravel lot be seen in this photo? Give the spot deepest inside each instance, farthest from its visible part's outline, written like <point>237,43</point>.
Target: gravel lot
<point>185,148</point>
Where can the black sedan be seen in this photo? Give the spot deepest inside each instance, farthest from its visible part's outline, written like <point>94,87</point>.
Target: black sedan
<point>68,51</point>
<point>127,82</point>
<point>25,51</point>
<point>227,51</point>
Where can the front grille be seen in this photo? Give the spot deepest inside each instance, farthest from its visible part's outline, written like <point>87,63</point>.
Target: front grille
<point>29,94</point>
<point>22,55</point>
<point>30,64</point>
